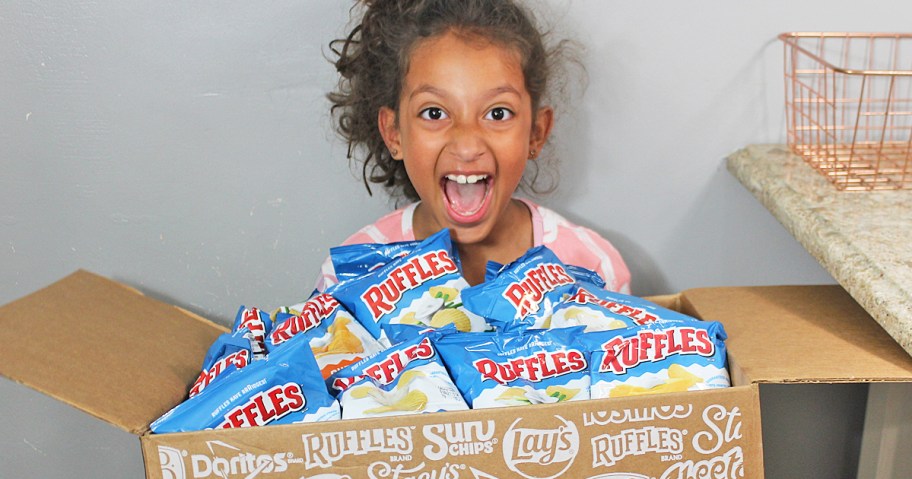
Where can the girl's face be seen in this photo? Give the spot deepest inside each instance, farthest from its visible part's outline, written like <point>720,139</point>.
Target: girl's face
<point>465,129</point>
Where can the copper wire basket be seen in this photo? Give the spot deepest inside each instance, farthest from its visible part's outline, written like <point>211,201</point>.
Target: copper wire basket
<point>849,106</point>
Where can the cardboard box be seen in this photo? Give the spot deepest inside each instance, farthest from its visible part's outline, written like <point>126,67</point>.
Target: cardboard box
<point>96,357</point>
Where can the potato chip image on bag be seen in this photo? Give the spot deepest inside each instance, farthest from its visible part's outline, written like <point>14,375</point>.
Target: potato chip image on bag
<point>336,338</point>
<point>601,310</point>
<point>408,378</point>
<point>658,357</point>
<point>517,368</point>
<point>421,288</point>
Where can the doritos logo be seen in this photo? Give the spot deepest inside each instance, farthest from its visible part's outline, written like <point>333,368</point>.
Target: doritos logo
<point>638,315</point>
<point>381,298</point>
<point>266,406</point>
<point>539,366</point>
<point>526,294</point>
<point>313,312</point>
<point>622,353</point>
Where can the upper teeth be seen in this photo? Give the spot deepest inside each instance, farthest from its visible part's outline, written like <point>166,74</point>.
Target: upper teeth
<point>463,179</point>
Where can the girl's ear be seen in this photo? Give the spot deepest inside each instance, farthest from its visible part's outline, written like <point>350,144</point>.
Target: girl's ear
<point>389,130</point>
<point>541,129</point>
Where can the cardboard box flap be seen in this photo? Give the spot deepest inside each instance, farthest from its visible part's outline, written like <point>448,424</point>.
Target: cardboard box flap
<point>104,348</point>
<point>787,334</point>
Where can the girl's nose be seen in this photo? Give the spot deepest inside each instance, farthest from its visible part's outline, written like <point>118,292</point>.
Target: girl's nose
<point>466,142</point>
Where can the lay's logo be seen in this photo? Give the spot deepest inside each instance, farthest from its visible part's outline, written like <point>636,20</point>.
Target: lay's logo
<point>381,298</point>
<point>622,353</point>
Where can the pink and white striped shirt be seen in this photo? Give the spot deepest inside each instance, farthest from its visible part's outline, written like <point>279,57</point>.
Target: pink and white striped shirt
<point>573,244</point>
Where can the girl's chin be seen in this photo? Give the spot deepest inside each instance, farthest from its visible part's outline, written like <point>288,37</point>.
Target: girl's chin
<point>466,235</point>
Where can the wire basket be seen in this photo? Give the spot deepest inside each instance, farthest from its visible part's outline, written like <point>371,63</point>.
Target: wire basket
<point>849,106</point>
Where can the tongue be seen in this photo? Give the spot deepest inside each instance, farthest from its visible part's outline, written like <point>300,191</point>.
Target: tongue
<point>465,198</point>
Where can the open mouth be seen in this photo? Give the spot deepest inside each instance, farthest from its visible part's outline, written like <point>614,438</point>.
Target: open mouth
<point>466,195</point>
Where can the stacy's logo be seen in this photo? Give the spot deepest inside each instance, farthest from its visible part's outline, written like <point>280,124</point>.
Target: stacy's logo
<point>230,461</point>
<point>537,453</point>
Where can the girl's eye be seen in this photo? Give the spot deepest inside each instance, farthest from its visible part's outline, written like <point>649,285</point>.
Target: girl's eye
<point>499,114</point>
<point>432,113</point>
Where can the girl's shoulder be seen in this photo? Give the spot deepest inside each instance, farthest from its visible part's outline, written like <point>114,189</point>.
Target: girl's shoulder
<point>579,245</point>
<point>389,228</point>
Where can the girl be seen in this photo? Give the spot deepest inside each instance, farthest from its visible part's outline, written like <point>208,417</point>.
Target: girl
<point>442,102</point>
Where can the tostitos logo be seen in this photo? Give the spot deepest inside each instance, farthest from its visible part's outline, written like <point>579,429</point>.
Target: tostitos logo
<point>224,461</point>
<point>541,453</point>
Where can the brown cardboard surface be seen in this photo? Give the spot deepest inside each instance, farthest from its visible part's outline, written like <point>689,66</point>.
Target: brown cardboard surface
<point>104,348</point>
<point>126,359</point>
<point>665,436</point>
<point>787,334</point>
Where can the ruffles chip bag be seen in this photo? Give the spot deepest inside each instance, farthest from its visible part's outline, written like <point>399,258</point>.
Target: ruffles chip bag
<point>422,288</point>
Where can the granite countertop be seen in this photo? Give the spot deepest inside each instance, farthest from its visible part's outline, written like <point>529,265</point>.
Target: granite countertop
<point>863,238</point>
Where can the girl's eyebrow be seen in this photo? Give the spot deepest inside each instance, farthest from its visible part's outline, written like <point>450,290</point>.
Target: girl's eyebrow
<point>425,88</point>
<point>502,89</point>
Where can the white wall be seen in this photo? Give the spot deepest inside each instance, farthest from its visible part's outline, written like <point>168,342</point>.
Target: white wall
<point>185,148</point>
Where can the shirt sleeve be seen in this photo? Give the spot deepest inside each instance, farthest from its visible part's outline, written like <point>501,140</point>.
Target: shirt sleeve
<point>580,246</point>
<point>393,227</point>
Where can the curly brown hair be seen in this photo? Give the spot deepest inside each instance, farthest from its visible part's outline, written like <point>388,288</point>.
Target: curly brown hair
<point>373,59</point>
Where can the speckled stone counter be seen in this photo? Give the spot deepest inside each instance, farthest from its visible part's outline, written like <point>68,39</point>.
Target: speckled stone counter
<point>864,239</point>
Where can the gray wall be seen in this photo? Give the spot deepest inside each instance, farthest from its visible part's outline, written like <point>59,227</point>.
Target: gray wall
<point>185,148</point>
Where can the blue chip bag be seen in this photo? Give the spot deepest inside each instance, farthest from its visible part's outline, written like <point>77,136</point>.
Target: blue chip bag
<point>515,368</point>
<point>259,324</point>
<point>355,260</point>
<point>336,338</point>
<point>408,378</point>
<point>522,291</point>
<point>657,357</point>
<point>229,352</point>
<point>585,275</point>
<point>579,273</point>
<point>421,288</point>
<point>601,310</point>
<point>285,387</point>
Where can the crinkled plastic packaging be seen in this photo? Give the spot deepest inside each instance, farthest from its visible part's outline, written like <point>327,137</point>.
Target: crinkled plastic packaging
<point>517,368</point>
<point>422,288</point>
<point>658,357</point>
<point>521,292</point>
<point>229,352</point>
<point>335,337</point>
<point>285,387</point>
<point>355,260</point>
<point>408,378</point>
<point>579,273</point>
<point>259,323</point>
<point>601,310</point>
